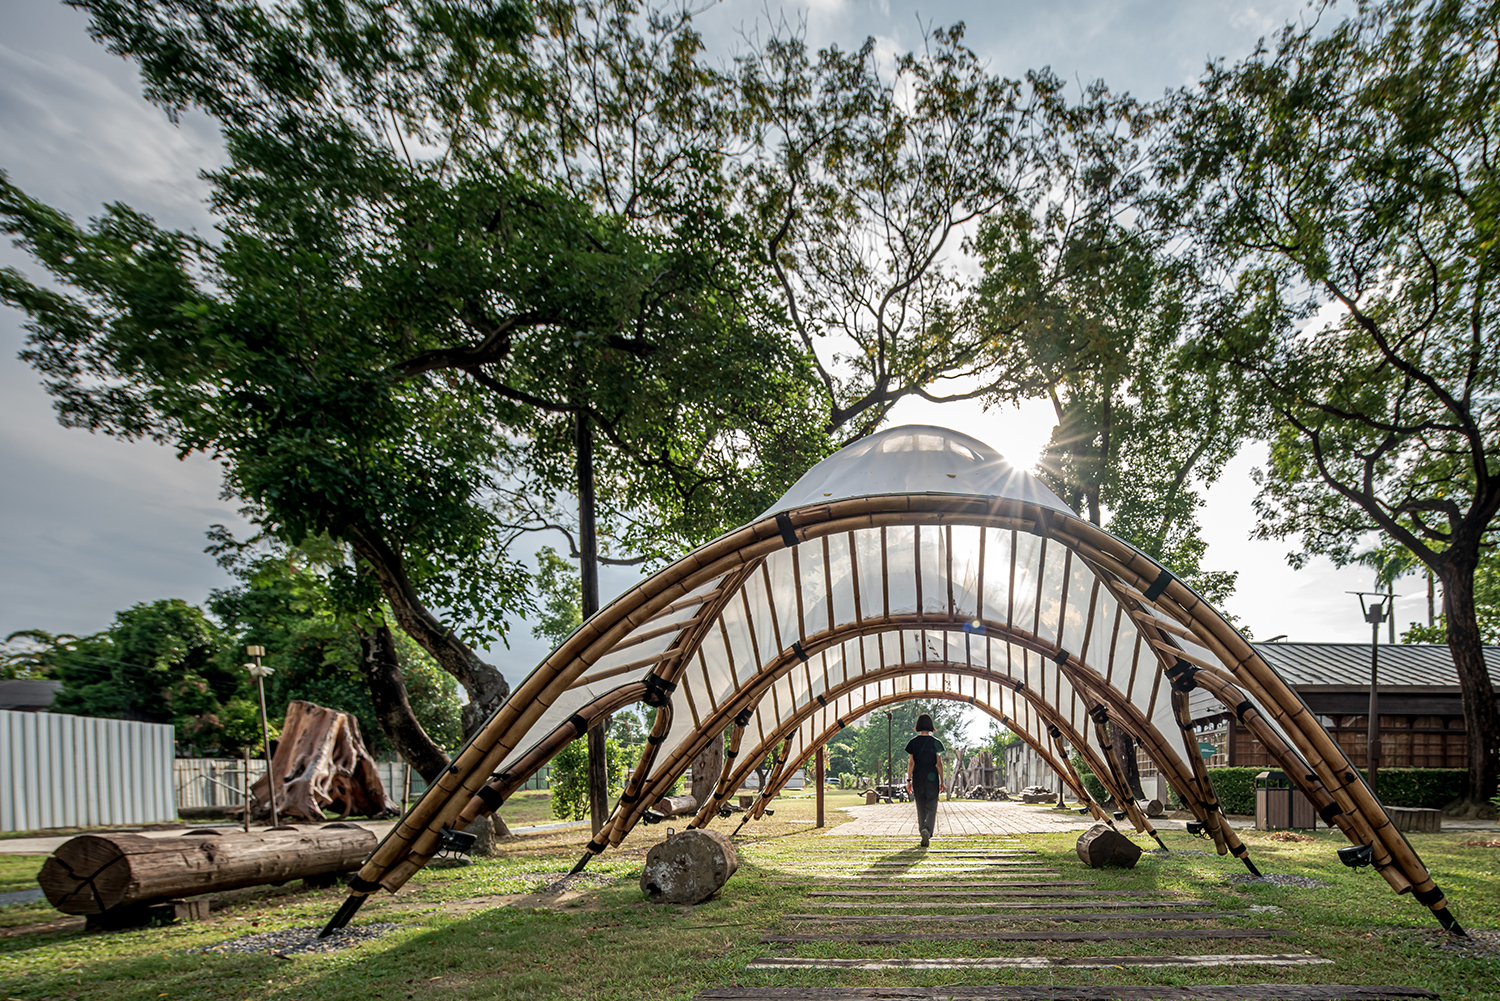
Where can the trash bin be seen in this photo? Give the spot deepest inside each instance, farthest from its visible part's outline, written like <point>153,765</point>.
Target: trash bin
<point>1279,805</point>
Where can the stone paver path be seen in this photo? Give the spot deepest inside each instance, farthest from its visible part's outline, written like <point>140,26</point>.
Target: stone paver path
<point>958,819</point>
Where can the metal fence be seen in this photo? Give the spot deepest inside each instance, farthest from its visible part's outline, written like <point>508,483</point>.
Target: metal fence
<point>77,771</point>
<point>209,782</point>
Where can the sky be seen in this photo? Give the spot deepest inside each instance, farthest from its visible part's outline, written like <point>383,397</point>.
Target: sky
<point>92,525</point>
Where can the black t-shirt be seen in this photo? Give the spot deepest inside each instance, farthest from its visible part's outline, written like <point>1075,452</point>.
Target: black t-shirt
<point>924,751</point>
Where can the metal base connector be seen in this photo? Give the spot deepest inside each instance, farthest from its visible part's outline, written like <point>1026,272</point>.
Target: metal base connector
<point>342,916</point>
<point>581,863</point>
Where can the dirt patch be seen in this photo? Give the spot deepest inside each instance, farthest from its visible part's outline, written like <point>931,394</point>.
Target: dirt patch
<point>1278,879</point>
<point>1481,844</point>
<point>61,924</point>
<point>1287,836</point>
<point>292,941</point>
<point>1476,945</point>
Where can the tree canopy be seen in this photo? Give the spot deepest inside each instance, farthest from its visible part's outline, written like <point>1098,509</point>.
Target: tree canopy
<point>1342,179</point>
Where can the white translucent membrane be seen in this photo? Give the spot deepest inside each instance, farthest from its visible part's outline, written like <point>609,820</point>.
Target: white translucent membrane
<point>815,621</point>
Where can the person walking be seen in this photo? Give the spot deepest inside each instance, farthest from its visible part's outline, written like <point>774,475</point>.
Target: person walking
<point>924,775</point>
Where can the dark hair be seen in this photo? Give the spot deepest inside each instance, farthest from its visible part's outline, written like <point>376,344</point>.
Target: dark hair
<point>924,722</point>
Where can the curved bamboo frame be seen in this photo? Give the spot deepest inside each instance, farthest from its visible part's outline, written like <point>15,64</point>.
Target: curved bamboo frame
<point>1189,644</point>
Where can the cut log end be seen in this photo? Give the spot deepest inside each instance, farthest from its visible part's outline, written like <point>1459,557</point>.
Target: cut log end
<point>688,868</point>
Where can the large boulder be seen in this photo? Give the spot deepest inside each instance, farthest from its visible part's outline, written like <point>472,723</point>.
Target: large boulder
<point>1102,845</point>
<point>689,867</point>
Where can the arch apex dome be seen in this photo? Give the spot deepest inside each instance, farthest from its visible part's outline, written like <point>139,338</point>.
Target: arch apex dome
<point>916,459</point>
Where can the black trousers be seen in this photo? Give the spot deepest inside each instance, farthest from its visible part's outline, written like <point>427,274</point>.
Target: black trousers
<point>927,801</point>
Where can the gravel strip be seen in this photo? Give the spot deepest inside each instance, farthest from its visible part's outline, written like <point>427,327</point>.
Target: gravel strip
<point>291,941</point>
<point>1278,879</point>
<point>1478,944</point>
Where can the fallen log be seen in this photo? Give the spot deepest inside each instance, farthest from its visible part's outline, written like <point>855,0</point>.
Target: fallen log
<point>688,867</point>
<point>97,873</point>
<point>676,806</point>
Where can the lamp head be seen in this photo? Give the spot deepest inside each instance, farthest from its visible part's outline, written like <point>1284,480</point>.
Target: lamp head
<point>1356,856</point>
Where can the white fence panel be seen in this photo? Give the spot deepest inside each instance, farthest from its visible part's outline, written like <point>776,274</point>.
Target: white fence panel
<point>78,771</point>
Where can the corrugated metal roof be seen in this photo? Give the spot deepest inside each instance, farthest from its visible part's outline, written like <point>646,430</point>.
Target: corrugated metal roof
<point>1349,663</point>
<point>28,692</point>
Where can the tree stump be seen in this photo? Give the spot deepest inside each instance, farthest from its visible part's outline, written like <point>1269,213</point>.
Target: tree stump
<point>689,867</point>
<point>1152,808</point>
<point>1102,845</point>
<point>321,764</point>
<point>98,873</point>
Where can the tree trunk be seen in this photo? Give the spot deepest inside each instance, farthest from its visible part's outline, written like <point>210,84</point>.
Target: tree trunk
<point>588,567</point>
<point>1481,721</point>
<point>1132,768</point>
<point>707,768</point>
<point>393,709</point>
<point>484,685</point>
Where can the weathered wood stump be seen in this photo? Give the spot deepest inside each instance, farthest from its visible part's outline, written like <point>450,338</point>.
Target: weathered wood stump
<point>1411,818</point>
<point>321,764</point>
<point>96,874</point>
<point>1152,808</point>
<point>1037,794</point>
<point>676,806</point>
<point>689,867</point>
<point>1102,845</point>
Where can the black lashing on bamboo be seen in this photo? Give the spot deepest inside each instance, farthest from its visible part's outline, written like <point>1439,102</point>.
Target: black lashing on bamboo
<point>822,702</point>
<point>359,885</point>
<point>1241,709</point>
<point>1054,731</point>
<point>1182,674</point>
<point>1061,658</point>
<point>654,739</point>
<point>784,522</point>
<point>1099,714</point>
<point>797,649</point>
<point>1158,586</point>
<point>580,725</point>
<point>490,797</point>
<point>658,690</point>
<point>1329,812</point>
<point>742,718</point>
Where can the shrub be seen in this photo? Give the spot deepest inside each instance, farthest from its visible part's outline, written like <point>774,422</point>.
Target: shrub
<point>1235,788</point>
<point>1429,788</point>
<point>847,780</point>
<point>1091,782</point>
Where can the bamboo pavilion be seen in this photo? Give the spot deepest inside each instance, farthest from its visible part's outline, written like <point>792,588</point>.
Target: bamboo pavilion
<point>913,563</point>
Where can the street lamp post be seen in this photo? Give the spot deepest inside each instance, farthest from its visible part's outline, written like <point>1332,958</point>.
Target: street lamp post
<point>258,671</point>
<point>1376,612</point>
<point>890,760</point>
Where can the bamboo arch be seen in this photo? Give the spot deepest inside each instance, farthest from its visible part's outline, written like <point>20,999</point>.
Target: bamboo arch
<point>862,574</point>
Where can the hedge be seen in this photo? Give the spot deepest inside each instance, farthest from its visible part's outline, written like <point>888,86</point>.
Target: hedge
<point>1433,788</point>
<point>1236,788</point>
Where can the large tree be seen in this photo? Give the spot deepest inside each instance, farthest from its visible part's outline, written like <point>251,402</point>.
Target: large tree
<point>1344,178</point>
<point>415,296</point>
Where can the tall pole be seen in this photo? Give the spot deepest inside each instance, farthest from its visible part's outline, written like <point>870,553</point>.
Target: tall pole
<point>588,560</point>
<point>1375,614</point>
<point>818,777</point>
<point>259,671</point>
<point>890,759</point>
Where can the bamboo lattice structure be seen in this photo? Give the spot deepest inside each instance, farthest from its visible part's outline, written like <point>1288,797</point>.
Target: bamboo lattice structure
<point>914,563</point>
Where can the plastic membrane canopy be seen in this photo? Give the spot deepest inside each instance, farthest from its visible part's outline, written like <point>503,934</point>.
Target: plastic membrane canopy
<point>915,562</point>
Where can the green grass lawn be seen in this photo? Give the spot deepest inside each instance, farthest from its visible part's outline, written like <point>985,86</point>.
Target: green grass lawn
<point>479,932</point>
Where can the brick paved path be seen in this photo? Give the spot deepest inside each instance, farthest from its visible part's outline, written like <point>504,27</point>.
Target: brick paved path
<point>899,820</point>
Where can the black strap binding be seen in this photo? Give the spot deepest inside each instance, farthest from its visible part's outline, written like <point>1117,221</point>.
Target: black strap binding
<point>362,885</point>
<point>1054,731</point>
<point>1159,585</point>
<point>658,690</point>
<point>1241,709</point>
<point>822,702</point>
<point>1061,658</point>
<point>653,739</point>
<point>797,649</point>
<point>1329,812</point>
<point>490,797</point>
<point>580,724</point>
<point>743,717</point>
<point>1099,714</point>
<point>597,846</point>
<point>1183,676</point>
<point>784,522</point>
